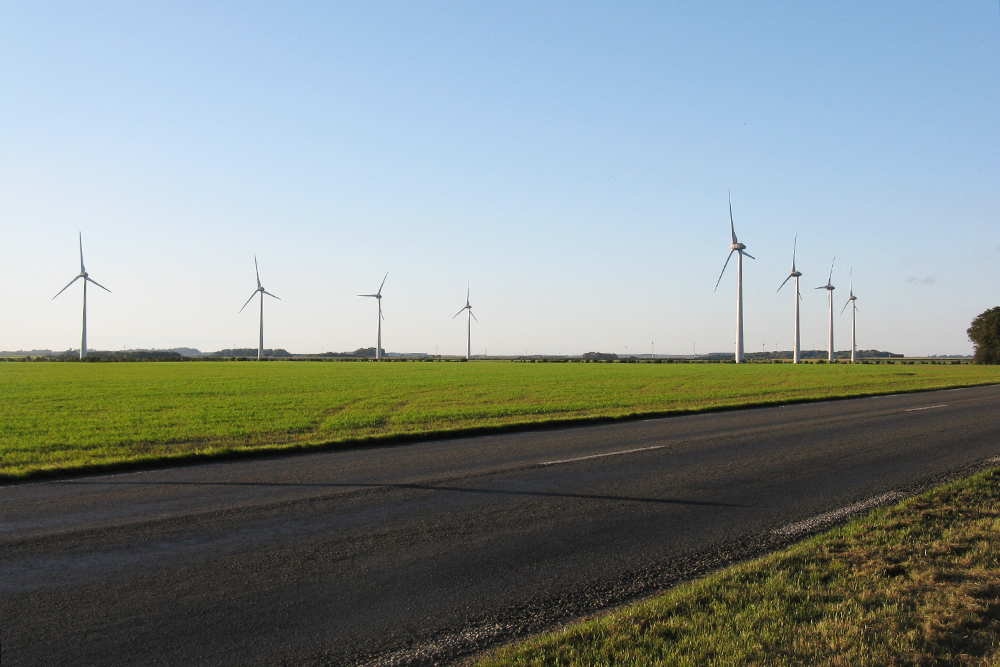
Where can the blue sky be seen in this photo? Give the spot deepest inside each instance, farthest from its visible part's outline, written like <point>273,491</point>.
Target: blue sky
<point>571,160</point>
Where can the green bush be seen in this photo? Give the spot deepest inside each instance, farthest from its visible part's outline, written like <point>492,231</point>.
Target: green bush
<point>985,335</point>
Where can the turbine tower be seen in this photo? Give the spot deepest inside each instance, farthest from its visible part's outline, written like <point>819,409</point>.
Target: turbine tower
<point>796,354</point>
<point>378,296</point>
<point>86,279</point>
<point>260,289</point>
<point>829,290</point>
<point>736,247</point>
<point>468,352</point>
<point>854,320</point>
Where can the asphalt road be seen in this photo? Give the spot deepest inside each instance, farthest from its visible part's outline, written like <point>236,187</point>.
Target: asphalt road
<point>423,552</point>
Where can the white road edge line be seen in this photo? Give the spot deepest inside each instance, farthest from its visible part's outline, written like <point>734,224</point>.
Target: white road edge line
<point>928,407</point>
<point>829,518</point>
<point>599,456</point>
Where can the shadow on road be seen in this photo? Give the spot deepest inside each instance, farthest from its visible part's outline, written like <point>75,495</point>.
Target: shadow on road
<point>423,487</point>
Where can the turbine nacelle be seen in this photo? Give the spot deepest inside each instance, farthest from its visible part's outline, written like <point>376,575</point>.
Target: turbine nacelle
<point>260,289</point>
<point>794,273</point>
<point>829,281</point>
<point>378,294</point>
<point>83,274</point>
<point>851,299</point>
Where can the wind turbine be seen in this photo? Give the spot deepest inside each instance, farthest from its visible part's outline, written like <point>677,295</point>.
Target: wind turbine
<point>378,296</point>
<point>736,247</point>
<point>796,354</point>
<point>829,290</point>
<point>86,279</point>
<point>468,353</point>
<point>854,320</point>
<point>260,289</point>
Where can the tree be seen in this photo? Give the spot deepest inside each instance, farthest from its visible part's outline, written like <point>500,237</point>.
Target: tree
<point>985,335</point>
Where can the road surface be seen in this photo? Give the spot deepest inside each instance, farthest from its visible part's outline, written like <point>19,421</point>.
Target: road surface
<point>424,552</point>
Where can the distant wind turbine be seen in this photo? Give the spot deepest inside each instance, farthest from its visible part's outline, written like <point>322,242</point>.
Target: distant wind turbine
<point>378,296</point>
<point>854,320</point>
<point>468,352</point>
<point>739,248</point>
<point>796,356</point>
<point>260,289</point>
<point>86,279</point>
<point>829,290</point>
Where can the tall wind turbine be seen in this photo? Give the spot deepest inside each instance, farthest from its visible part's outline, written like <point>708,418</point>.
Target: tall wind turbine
<point>468,352</point>
<point>86,279</point>
<point>378,296</point>
<point>260,289</point>
<point>796,354</point>
<point>854,320</point>
<point>829,290</point>
<point>736,247</point>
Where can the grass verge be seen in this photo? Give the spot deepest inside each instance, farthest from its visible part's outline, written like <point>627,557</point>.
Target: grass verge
<point>61,417</point>
<point>913,584</point>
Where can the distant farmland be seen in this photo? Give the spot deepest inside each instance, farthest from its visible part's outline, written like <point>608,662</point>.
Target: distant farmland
<point>71,415</point>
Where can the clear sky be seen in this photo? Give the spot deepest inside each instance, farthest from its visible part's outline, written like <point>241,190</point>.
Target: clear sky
<point>571,160</point>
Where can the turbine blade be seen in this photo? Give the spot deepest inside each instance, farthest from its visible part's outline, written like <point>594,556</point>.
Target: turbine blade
<point>473,315</point>
<point>67,286</point>
<point>256,270</point>
<point>82,270</point>
<point>249,300</point>
<point>783,284</point>
<point>89,279</point>
<point>795,244</point>
<point>831,270</point>
<point>744,252</point>
<point>732,225</point>
<point>458,313</point>
<point>845,306</point>
<point>271,295</point>
<point>371,295</point>
<point>723,270</point>
<point>379,292</point>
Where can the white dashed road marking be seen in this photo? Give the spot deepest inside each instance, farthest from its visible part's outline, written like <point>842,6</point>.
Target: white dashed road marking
<point>599,456</point>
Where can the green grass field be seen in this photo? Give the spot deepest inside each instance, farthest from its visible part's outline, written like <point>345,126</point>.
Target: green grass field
<point>914,584</point>
<point>74,416</point>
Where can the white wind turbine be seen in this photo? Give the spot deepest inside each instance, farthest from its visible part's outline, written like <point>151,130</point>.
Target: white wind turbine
<point>796,354</point>
<point>86,279</point>
<point>468,353</point>
<point>260,289</point>
<point>829,290</point>
<point>378,296</point>
<point>736,247</point>
<point>854,320</point>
